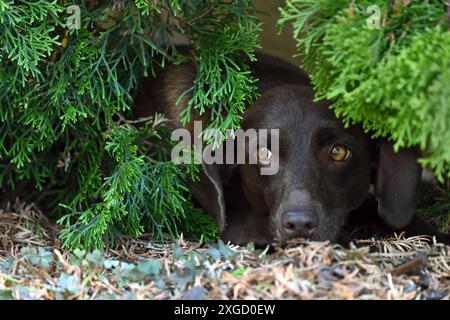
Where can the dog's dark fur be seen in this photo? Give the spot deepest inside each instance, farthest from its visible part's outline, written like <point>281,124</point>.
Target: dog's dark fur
<point>249,206</point>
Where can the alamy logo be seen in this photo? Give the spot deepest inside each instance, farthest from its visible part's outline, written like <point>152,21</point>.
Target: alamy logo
<point>258,147</point>
<point>374,21</point>
<point>74,20</point>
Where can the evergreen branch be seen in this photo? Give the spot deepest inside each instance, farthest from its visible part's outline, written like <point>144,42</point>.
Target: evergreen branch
<point>392,79</point>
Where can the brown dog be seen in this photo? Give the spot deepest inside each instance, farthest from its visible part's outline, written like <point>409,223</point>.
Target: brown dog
<point>325,170</point>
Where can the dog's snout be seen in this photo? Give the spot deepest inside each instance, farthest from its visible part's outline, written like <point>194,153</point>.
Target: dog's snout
<point>299,224</point>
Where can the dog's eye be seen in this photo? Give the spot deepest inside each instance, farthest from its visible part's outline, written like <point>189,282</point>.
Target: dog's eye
<point>263,155</point>
<point>340,153</point>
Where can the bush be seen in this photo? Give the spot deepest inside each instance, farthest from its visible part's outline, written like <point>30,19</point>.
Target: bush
<point>385,64</point>
<point>66,95</point>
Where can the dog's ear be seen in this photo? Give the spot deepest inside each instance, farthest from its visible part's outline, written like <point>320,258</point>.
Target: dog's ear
<point>396,180</point>
<point>213,179</point>
<point>209,193</point>
<point>209,190</point>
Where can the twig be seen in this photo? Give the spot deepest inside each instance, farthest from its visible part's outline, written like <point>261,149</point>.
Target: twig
<point>140,120</point>
<point>419,260</point>
<point>156,120</point>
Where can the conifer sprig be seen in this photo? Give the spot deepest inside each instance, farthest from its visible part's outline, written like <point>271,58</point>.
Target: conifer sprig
<point>394,79</point>
<point>64,93</point>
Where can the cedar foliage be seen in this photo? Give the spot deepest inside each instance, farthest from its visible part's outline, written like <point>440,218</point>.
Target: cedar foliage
<point>394,79</point>
<point>66,96</point>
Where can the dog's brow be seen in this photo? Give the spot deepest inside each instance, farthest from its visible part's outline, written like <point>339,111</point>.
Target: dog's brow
<point>333,131</point>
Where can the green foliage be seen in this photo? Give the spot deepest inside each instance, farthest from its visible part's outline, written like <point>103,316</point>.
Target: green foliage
<point>438,213</point>
<point>66,94</point>
<point>223,80</point>
<point>82,274</point>
<point>394,79</point>
<point>200,226</point>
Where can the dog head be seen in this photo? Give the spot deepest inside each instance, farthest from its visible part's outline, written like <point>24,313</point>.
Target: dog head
<point>324,172</point>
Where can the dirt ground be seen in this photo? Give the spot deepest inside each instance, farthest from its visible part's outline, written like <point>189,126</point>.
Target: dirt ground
<point>33,266</point>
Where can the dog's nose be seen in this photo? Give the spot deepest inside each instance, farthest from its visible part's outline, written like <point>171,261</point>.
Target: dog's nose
<point>299,224</point>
